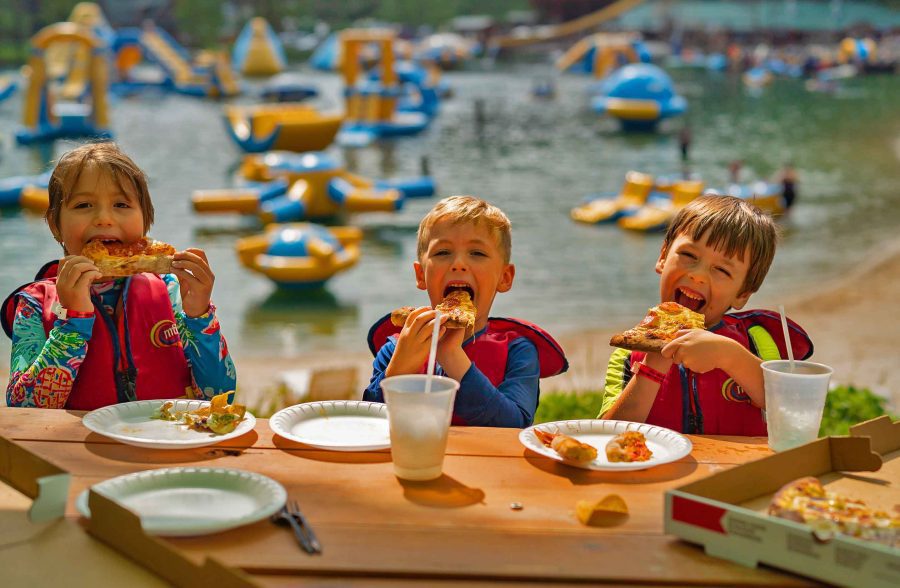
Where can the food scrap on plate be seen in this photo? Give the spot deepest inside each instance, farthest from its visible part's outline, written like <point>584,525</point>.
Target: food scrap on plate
<point>217,417</point>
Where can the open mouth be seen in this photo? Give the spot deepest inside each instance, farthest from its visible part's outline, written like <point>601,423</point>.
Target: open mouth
<point>689,299</point>
<point>452,286</point>
<point>105,240</point>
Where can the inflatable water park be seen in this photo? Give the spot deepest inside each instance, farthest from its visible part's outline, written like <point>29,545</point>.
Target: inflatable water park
<point>258,50</point>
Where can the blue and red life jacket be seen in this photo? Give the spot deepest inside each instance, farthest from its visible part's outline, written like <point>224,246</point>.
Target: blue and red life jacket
<point>137,355</point>
<point>713,403</point>
<point>488,351</point>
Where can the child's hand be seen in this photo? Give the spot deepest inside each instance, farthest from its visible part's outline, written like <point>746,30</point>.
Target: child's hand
<point>195,279</point>
<point>414,342</point>
<point>699,351</point>
<point>450,353</point>
<point>73,283</point>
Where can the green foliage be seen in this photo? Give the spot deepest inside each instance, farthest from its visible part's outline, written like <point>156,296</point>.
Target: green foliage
<point>846,406</point>
<point>562,406</point>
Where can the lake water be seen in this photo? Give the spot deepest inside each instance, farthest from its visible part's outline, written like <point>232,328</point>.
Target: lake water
<point>535,159</point>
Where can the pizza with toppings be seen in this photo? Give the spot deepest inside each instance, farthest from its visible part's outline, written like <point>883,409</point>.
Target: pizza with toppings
<point>806,501</point>
<point>660,326</point>
<point>457,305</point>
<point>115,259</point>
<point>628,447</point>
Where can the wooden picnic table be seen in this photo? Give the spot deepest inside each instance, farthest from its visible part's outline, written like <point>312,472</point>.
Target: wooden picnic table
<point>378,530</point>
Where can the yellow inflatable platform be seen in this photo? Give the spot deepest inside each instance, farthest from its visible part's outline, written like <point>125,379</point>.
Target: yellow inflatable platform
<point>284,127</point>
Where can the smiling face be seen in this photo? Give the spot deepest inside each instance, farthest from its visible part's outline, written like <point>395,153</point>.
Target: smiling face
<point>702,278</point>
<point>99,207</point>
<point>464,256</point>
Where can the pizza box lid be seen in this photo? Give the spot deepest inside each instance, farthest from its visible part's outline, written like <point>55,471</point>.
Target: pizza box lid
<point>726,512</point>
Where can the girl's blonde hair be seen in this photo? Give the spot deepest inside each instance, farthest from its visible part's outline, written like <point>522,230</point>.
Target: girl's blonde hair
<point>732,225</point>
<point>467,209</point>
<point>110,159</point>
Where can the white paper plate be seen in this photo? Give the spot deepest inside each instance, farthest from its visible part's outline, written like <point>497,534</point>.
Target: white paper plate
<point>338,425</point>
<point>131,423</point>
<point>192,501</point>
<point>666,445</point>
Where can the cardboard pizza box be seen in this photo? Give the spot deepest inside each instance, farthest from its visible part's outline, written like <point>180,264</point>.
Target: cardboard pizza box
<point>726,512</point>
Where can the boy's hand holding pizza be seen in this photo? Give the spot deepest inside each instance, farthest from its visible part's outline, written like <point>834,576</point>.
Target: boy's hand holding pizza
<point>701,351</point>
<point>414,341</point>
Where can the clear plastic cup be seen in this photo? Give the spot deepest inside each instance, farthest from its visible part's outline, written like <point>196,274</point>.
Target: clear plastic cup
<point>419,423</point>
<point>794,401</point>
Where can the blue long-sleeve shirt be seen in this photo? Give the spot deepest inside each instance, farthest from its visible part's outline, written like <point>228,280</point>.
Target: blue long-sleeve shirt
<point>478,402</point>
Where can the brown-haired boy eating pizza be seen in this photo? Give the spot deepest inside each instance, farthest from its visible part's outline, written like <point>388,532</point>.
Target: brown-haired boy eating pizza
<point>715,254</point>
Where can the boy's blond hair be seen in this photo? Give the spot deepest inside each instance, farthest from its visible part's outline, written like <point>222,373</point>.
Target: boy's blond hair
<point>732,225</point>
<point>109,158</point>
<point>467,209</point>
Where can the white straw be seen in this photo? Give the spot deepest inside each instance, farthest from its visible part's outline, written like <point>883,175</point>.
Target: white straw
<point>787,336</point>
<point>433,352</point>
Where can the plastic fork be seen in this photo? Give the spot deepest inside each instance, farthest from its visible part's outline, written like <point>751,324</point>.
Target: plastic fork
<point>284,517</point>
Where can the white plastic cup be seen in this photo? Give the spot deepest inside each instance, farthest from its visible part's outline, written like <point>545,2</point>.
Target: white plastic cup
<point>419,423</point>
<point>794,401</point>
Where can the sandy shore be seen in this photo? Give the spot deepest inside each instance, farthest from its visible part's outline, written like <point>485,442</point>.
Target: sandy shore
<point>852,322</point>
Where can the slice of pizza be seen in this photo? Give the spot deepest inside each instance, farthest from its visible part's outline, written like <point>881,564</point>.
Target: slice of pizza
<point>457,305</point>
<point>115,259</point>
<point>806,501</point>
<point>660,326</point>
<point>628,447</point>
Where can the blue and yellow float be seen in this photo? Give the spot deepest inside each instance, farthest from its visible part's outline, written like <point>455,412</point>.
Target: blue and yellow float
<point>300,255</point>
<point>288,187</point>
<point>656,213</point>
<point>764,195</point>
<point>27,192</point>
<point>639,95</point>
<point>609,208</point>
<point>8,87</point>
<point>289,127</point>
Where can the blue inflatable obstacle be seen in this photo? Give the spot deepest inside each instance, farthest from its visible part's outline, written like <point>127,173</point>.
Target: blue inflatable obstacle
<point>300,255</point>
<point>639,95</point>
<point>287,187</point>
<point>258,50</point>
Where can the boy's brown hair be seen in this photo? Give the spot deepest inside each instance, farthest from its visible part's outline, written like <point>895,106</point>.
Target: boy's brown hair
<point>109,158</point>
<point>733,226</point>
<point>467,209</point>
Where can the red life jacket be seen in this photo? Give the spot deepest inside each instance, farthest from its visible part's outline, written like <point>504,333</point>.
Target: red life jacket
<point>488,351</point>
<point>137,357</point>
<point>713,403</point>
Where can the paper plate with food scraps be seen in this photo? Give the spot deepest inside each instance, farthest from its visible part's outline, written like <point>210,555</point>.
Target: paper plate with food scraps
<point>595,444</point>
<point>171,424</point>
<point>188,501</point>
<point>336,425</point>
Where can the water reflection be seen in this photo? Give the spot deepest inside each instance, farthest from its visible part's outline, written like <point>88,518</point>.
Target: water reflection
<point>288,320</point>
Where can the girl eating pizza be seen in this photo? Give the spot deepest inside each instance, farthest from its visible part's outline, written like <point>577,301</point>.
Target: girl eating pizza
<point>82,339</point>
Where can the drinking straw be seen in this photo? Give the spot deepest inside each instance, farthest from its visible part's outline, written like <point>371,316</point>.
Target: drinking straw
<point>787,337</point>
<point>433,352</point>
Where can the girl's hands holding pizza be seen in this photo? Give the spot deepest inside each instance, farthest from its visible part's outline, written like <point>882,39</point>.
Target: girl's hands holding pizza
<point>73,283</point>
<point>196,280</point>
